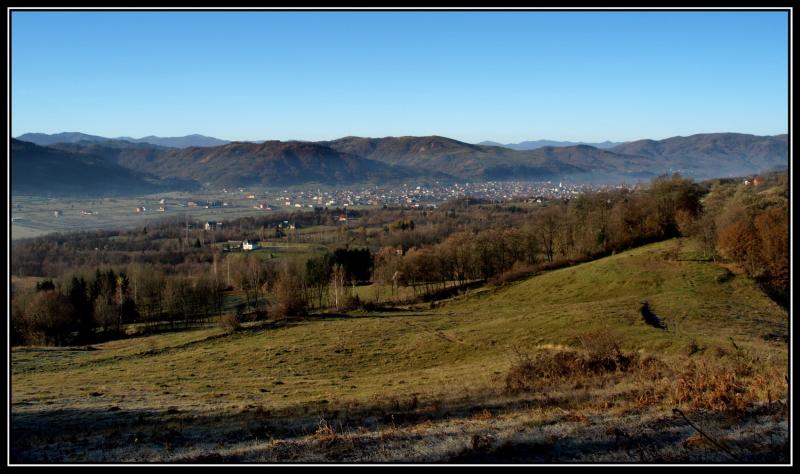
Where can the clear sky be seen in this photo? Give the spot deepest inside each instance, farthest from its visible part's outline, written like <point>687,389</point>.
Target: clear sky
<point>503,76</point>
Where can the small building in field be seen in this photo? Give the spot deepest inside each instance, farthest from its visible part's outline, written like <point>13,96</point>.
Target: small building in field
<point>232,246</point>
<point>250,245</point>
<point>212,225</point>
<point>139,209</point>
<point>57,213</point>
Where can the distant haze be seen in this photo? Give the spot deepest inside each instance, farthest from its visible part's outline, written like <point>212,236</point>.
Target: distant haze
<point>187,141</point>
<point>532,145</point>
<point>350,160</point>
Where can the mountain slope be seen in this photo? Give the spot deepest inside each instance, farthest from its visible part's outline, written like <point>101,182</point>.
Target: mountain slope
<point>534,144</point>
<point>356,159</point>
<point>43,170</point>
<point>714,154</point>
<point>699,156</point>
<point>120,152</point>
<point>44,139</point>
<point>265,164</point>
<point>178,142</point>
<point>459,159</point>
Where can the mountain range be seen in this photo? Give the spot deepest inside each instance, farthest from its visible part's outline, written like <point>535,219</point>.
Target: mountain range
<point>187,141</point>
<point>378,160</point>
<point>532,145</point>
<point>37,170</point>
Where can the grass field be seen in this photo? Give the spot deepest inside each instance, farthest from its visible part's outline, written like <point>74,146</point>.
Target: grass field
<point>425,384</point>
<point>34,216</point>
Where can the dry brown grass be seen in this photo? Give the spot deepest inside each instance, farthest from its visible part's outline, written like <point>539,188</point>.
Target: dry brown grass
<point>599,354</point>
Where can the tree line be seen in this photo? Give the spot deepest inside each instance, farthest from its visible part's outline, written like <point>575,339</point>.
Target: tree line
<point>431,251</point>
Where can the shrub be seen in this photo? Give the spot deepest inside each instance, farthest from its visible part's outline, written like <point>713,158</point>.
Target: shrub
<point>600,354</point>
<point>291,298</point>
<point>230,322</point>
<point>713,388</point>
<point>49,319</point>
<point>518,271</point>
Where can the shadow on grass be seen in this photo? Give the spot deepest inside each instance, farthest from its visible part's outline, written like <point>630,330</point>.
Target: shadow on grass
<point>116,434</point>
<point>650,317</point>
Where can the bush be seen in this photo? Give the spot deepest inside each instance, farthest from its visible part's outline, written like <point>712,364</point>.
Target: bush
<point>230,322</point>
<point>600,354</point>
<point>49,319</point>
<point>291,298</point>
<point>713,388</point>
<point>518,271</point>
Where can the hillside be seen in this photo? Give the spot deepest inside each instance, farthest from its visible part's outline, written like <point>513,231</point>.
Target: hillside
<point>44,139</point>
<point>178,142</point>
<point>426,384</point>
<point>39,170</point>
<point>714,154</point>
<point>534,144</point>
<point>271,163</point>
<point>121,152</point>
<point>699,156</point>
<point>390,159</point>
<point>458,159</point>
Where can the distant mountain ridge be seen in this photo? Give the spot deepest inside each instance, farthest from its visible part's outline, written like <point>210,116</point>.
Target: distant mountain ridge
<point>271,163</point>
<point>710,155</point>
<point>44,139</point>
<point>179,142</point>
<point>535,144</point>
<point>352,159</point>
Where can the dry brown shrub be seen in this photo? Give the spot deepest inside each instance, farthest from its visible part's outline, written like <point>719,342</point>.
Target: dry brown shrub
<point>230,322</point>
<point>485,414</point>
<point>601,354</point>
<point>325,431</point>
<point>710,387</point>
<point>517,271</point>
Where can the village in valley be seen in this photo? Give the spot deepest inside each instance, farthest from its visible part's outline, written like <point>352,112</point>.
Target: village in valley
<point>32,216</point>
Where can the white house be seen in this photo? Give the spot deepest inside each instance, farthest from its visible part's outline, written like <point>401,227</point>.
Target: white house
<point>250,245</point>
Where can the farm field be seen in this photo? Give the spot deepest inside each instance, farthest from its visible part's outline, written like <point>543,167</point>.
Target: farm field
<point>34,216</point>
<point>453,383</point>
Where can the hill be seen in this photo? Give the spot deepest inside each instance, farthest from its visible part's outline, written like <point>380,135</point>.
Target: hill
<point>121,152</point>
<point>699,156</point>
<point>390,159</point>
<point>714,154</point>
<point>178,142</point>
<point>534,144</point>
<point>44,139</point>
<point>37,170</point>
<point>432,384</point>
<point>272,163</point>
<point>458,159</point>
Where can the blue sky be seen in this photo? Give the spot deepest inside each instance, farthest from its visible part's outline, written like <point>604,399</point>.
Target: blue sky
<point>504,76</point>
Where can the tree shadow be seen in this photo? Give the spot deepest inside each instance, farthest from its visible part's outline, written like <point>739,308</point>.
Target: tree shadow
<point>650,317</point>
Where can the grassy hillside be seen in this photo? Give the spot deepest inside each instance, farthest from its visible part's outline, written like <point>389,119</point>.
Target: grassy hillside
<point>455,355</point>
